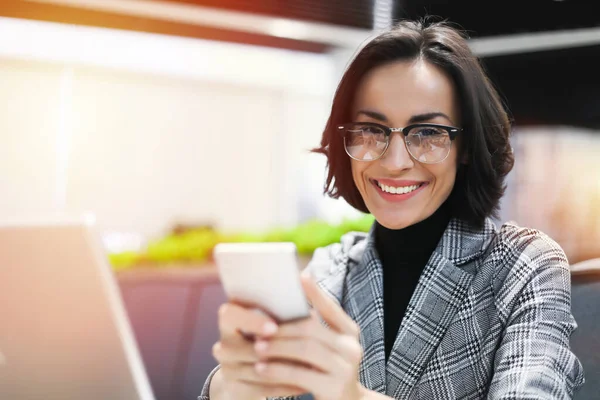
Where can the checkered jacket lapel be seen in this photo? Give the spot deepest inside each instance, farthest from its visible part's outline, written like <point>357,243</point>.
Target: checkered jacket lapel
<point>438,296</point>
<point>363,301</point>
<point>355,279</point>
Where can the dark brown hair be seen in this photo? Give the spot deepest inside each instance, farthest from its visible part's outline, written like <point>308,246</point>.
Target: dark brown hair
<point>484,143</point>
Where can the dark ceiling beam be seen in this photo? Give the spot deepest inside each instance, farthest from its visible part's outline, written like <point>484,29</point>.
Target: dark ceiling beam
<point>558,87</point>
<point>505,17</point>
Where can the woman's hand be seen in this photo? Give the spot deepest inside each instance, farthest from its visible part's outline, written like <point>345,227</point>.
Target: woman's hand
<point>309,356</point>
<point>237,379</point>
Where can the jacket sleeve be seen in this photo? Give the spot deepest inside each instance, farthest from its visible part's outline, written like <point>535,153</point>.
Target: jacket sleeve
<point>204,395</point>
<point>534,360</point>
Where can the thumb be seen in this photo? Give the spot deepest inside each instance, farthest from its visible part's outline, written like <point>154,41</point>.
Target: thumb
<point>328,308</point>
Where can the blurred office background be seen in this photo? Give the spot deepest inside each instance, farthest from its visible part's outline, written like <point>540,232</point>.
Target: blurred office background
<point>164,115</point>
<point>201,113</point>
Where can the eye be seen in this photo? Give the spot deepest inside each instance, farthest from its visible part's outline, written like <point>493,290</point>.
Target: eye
<point>428,131</point>
<point>372,130</point>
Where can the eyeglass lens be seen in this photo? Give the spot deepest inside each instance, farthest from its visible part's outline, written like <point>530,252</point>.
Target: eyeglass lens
<point>426,144</point>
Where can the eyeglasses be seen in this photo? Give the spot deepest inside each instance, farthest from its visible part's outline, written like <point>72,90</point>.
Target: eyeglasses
<point>426,143</point>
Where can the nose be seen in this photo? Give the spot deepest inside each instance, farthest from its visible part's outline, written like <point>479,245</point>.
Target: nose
<point>397,158</point>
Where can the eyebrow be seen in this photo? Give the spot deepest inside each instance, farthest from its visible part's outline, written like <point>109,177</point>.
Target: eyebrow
<point>415,119</point>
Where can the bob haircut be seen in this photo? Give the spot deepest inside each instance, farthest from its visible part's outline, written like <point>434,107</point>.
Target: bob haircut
<point>485,152</point>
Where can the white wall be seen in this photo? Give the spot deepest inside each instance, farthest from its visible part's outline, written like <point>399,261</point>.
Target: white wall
<point>29,118</point>
<point>223,139</point>
<point>149,150</point>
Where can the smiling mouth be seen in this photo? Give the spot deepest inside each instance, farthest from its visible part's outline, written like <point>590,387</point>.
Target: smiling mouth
<point>398,189</point>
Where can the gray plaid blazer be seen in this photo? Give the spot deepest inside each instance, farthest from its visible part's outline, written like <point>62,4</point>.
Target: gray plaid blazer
<point>490,316</point>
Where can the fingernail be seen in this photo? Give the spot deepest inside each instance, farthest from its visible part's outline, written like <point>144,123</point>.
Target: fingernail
<point>269,328</point>
<point>261,346</point>
<point>260,367</point>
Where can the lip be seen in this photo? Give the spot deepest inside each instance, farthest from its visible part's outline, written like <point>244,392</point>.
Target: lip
<point>395,198</point>
<point>397,182</point>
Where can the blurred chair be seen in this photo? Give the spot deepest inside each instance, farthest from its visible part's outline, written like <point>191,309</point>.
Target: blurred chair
<point>157,310</point>
<point>197,358</point>
<point>174,318</point>
<point>585,341</point>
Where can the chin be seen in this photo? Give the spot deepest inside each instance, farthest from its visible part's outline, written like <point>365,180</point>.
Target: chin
<point>395,221</point>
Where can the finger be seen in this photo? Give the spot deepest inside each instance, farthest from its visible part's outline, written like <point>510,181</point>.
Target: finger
<point>234,351</point>
<point>305,328</point>
<point>277,390</point>
<point>242,372</point>
<point>260,391</point>
<point>309,352</point>
<point>346,346</point>
<point>330,311</point>
<point>247,374</point>
<point>313,329</point>
<point>278,373</point>
<point>234,318</point>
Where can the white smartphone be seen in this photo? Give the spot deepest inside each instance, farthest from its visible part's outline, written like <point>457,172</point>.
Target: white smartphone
<point>264,276</point>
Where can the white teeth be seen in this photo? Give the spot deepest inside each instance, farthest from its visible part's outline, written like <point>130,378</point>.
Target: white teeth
<point>398,190</point>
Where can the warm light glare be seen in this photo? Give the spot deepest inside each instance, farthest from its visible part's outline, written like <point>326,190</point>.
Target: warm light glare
<point>89,218</point>
<point>288,29</point>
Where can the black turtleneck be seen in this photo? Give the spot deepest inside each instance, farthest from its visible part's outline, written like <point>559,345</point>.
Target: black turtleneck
<point>404,254</point>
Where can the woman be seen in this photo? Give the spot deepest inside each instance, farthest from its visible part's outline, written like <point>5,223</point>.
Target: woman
<point>435,302</point>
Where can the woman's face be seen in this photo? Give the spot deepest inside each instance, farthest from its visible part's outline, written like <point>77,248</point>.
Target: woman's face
<point>396,95</point>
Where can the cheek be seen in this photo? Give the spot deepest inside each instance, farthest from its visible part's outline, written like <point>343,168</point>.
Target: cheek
<point>448,180</point>
<point>445,175</point>
<point>357,172</point>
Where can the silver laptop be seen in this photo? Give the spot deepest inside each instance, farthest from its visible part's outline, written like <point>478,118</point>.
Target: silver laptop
<point>64,333</point>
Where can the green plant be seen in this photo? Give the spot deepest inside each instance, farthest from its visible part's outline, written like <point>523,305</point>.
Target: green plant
<point>195,246</point>
<point>123,260</point>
